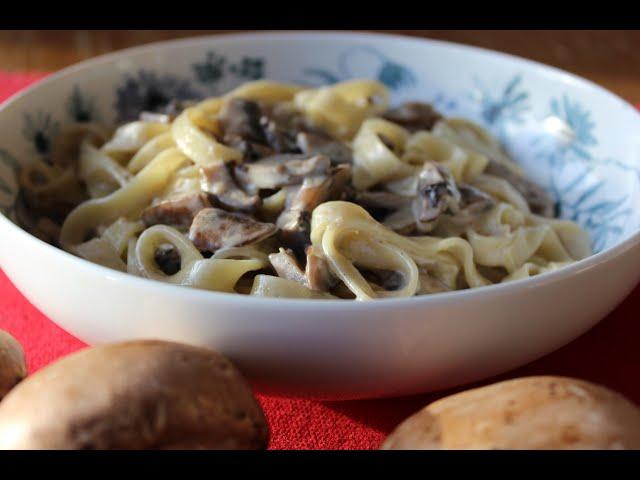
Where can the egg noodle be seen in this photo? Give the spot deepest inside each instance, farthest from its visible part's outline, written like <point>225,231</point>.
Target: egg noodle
<point>216,197</point>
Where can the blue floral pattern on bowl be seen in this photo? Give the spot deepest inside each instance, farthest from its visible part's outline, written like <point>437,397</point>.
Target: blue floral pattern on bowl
<point>392,74</point>
<point>216,67</point>
<point>506,105</point>
<point>148,91</point>
<point>40,129</point>
<point>568,162</point>
<point>81,107</point>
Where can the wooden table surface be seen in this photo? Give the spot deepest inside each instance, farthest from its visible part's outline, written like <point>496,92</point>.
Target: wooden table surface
<point>610,58</point>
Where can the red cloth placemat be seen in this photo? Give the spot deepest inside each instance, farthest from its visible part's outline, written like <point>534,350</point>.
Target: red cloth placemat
<point>608,355</point>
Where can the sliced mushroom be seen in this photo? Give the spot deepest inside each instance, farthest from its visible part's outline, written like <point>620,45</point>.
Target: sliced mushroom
<point>279,171</point>
<point>295,222</point>
<point>317,190</point>
<point>178,211</point>
<point>287,117</point>
<point>319,276</point>
<point>414,116</point>
<point>539,201</point>
<point>295,229</point>
<point>475,200</point>
<point>282,159</point>
<point>437,191</point>
<point>252,151</point>
<point>260,130</point>
<point>286,266</point>
<point>278,137</point>
<point>473,204</point>
<point>213,228</point>
<point>240,123</point>
<point>240,120</point>
<point>436,194</point>
<point>223,191</point>
<point>312,143</point>
<point>382,199</point>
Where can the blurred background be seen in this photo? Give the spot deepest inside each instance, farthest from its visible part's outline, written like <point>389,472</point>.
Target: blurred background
<point>610,58</point>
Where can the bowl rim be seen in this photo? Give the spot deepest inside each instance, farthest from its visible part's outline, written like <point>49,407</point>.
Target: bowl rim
<point>387,304</point>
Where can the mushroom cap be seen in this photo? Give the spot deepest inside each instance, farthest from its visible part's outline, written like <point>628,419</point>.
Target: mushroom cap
<point>134,395</point>
<point>13,367</point>
<point>214,228</point>
<point>414,116</point>
<point>535,413</point>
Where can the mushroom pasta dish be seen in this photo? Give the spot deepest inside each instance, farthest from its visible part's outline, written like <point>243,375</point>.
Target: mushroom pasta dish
<point>281,191</point>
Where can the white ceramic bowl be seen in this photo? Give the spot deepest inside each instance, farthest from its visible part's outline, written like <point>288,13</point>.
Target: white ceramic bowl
<point>578,140</point>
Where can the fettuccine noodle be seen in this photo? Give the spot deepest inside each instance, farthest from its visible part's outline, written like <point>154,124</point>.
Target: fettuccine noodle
<point>281,191</point>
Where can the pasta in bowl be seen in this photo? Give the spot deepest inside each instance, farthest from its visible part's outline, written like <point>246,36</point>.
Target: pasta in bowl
<point>277,190</point>
<point>383,216</point>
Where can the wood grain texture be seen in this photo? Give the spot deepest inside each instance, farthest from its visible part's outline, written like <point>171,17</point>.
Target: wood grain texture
<point>610,58</point>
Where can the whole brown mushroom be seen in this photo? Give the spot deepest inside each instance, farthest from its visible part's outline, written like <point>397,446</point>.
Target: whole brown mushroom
<point>134,395</point>
<point>535,413</point>
<point>12,364</point>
